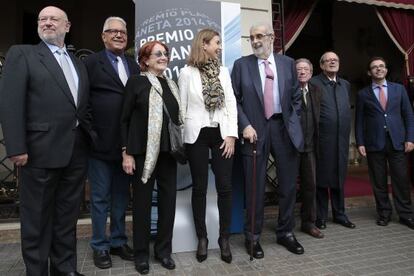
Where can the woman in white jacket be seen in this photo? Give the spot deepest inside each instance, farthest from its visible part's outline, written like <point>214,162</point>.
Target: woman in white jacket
<point>210,123</point>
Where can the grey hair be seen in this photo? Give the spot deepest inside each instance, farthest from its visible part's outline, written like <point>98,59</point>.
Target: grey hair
<point>306,61</point>
<point>111,18</point>
<point>269,28</point>
<point>321,59</point>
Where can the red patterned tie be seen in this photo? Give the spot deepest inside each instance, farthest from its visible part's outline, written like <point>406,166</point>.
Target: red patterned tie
<point>268,90</point>
<point>382,98</point>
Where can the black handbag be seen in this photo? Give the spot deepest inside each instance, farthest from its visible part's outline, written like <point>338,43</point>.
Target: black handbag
<point>177,149</point>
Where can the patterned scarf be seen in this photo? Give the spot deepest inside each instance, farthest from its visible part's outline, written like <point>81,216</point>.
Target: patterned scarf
<point>155,116</point>
<point>213,93</point>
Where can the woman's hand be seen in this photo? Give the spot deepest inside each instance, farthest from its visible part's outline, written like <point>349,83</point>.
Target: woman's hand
<point>128,163</point>
<point>228,145</point>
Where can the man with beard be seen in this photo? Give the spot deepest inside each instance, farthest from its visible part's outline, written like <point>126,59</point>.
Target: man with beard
<point>384,131</point>
<point>108,72</point>
<point>269,104</point>
<point>334,129</point>
<point>43,111</point>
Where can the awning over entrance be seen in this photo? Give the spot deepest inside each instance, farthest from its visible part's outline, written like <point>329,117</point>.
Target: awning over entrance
<point>398,4</point>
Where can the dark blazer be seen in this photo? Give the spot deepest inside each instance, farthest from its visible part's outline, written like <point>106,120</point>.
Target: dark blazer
<point>106,96</point>
<point>134,118</point>
<point>39,117</point>
<point>248,90</point>
<point>371,119</point>
<point>315,97</point>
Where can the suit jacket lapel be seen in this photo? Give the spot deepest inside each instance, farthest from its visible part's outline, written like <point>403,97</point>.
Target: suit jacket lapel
<point>280,76</point>
<point>51,64</point>
<point>255,75</point>
<point>374,98</point>
<point>132,65</point>
<point>109,69</point>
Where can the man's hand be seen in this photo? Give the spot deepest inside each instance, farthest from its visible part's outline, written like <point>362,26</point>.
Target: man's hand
<point>250,134</point>
<point>19,160</point>
<point>128,163</point>
<point>409,146</point>
<point>362,151</point>
<point>228,145</point>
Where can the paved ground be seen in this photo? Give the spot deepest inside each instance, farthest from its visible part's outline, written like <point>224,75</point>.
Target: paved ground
<point>367,250</point>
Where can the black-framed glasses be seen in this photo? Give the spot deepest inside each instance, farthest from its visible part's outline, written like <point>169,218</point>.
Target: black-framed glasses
<point>115,32</point>
<point>258,36</point>
<point>331,60</point>
<point>159,54</point>
<point>375,67</point>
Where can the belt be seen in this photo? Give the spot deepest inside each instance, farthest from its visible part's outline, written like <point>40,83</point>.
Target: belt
<point>277,116</point>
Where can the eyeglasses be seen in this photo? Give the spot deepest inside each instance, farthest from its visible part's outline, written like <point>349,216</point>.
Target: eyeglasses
<point>331,60</point>
<point>52,19</point>
<point>375,67</point>
<point>160,54</point>
<point>306,69</point>
<point>115,32</point>
<point>258,37</point>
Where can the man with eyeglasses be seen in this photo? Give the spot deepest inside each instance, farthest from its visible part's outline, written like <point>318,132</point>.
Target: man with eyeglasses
<point>45,122</point>
<point>334,131</point>
<point>268,104</point>
<point>108,72</point>
<point>384,132</point>
<point>311,101</point>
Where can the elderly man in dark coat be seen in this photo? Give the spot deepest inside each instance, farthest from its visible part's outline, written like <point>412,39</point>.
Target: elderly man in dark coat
<point>334,130</point>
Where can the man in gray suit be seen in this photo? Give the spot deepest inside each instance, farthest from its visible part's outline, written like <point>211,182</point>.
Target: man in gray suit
<point>268,105</point>
<point>43,111</point>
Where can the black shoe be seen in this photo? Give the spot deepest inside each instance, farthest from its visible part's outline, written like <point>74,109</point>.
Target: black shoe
<point>74,273</point>
<point>202,248</point>
<point>257,249</point>
<point>345,223</point>
<point>320,223</point>
<point>383,221</point>
<point>289,241</point>
<point>101,259</point>
<point>142,267</point>
<point>124,251</point>
<point>408,222</point>
<point>166,262</point>
<point>225,249</point>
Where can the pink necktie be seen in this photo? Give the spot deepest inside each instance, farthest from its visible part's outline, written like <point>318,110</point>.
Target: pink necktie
<point>382,98</point>
<point>268,90</point>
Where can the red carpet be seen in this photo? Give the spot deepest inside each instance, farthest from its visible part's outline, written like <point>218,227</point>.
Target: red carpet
<point>356,186</point>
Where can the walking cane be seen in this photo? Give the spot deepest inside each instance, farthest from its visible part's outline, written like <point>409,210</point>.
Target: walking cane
<point>253,207</point>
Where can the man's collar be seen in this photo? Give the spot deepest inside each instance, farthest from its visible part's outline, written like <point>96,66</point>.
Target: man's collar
<point>113,56</point>
<point>271,59</point>
<point>53,48</point>
<point>375,85</point>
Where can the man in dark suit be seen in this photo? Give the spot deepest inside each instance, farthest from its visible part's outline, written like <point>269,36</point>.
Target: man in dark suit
<point>44,97</point>
<point>334,131</point>
<point>108,72</point>
<point>384,131</point>
<point>269,103</point>
<point>311,101</point>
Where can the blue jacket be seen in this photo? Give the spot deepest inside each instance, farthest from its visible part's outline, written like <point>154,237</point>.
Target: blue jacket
<point>371,120</point>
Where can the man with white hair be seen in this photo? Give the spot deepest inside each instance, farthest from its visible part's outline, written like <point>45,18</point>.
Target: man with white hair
<point>45,121</point>
<point>268,104</point>
<point>108,72</point>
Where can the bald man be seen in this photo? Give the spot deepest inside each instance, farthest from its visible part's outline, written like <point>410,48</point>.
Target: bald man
<point>45,123</point>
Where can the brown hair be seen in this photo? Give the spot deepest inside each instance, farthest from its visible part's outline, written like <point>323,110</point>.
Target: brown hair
<point>197,56</point>
<point>145,52</point>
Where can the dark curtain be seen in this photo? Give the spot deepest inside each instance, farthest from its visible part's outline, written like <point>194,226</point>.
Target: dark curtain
<point>399,24</point>
<point>296,14</point>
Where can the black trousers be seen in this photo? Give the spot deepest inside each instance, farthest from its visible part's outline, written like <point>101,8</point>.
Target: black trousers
<point>336,195</point>
<point>165,174</point>
<point>378,173</point>
<point>49,208</point>
<point>198,156</point>
<point>277,143</point>
<point>307,173</point>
